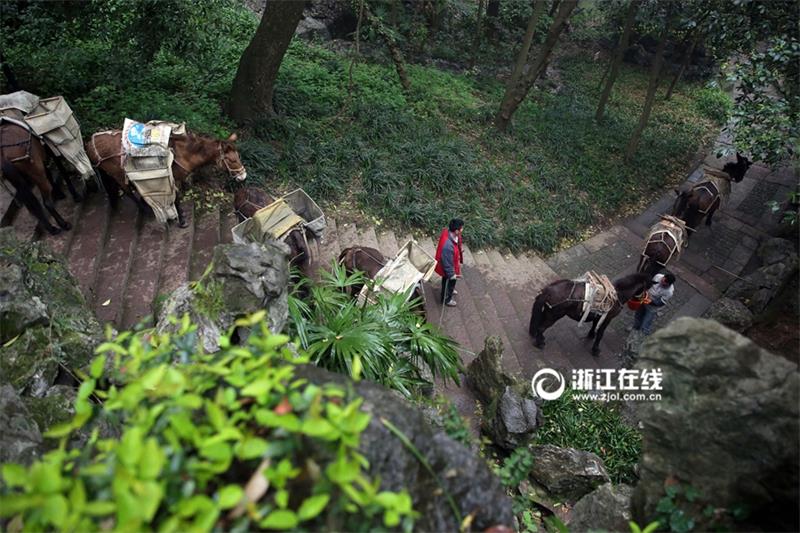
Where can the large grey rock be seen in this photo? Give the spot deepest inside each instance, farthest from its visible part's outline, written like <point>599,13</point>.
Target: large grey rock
<point>607,508</point>
<point>311,28</point>
<point>727,425</point>
<point>775,250</point>
<point>632,347</point>
<point>566,473</point>
<point>510,414</point>
<point>46,329</point>
<point>730,313</point>
<point>244,279</point>
<point>464,475</point>
<point>760,287</point>
<point>20,439</point>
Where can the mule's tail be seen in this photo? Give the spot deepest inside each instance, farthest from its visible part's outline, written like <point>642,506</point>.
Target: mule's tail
<point>537,314</point>
<point>692,216</point>
<point>342,256</point>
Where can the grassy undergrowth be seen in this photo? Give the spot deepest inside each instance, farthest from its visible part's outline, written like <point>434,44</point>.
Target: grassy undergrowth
<point>411,162</point>
<point>416,164</point>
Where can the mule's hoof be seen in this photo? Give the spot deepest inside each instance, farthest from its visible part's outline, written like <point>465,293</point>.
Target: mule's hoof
<point>78,197</point>
<point>183,224</point>
<point>52,230</point>
<point>66,226</point>
<point>596,353</point>
<point>590,335</point>
<point>538,344</point>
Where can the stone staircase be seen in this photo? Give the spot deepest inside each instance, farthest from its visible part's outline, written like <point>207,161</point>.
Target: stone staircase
<point>125,261</point>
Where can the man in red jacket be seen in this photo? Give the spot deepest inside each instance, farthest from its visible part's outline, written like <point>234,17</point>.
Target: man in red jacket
<point>449,259</point>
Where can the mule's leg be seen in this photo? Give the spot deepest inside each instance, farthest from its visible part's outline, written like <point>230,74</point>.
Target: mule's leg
<point>26,197</point>
<point>47,198</point>
<point>11,212</point>
<point>711,212</point>
<point>599,337</point>
<point>111,186</point>
<point>181,220</point>
<point>591,333</point>
<point>76,196</point>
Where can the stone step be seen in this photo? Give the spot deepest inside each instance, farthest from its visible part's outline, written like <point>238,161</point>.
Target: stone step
<point>178,253</point>
<point>367,237</point>
<point>387,243</point>
<point>227,220</point>
<point>71,212</point>
<point>87,244</point>
<point>140,293</point>
<point>347,236</point>
<point>328,249</point>
<point>115,263</point>
<point>205,238</point>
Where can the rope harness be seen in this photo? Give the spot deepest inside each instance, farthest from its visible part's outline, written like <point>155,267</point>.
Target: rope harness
<point>599,296</point>
<point>717,185</point>
<point>668,228</point>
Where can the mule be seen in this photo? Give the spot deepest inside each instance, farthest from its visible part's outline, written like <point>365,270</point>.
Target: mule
<point>191,151</point>
<point>370,261</point>
<point>364,259</point>
<point>248,200</point>
<point>704,198</point>
<point>23,158</point>
<point>565,298</point>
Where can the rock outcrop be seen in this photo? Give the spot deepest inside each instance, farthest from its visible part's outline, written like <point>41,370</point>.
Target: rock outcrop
<point>727,426</point>
<point>606,508</point>
<point>20,440</point>
<point>459,472</point>
<point>757,289</point>
<point>243,279</point>
<point>510,414</point>
<point>730,313</point>
<point>46,330</point>
<point>567,474</point>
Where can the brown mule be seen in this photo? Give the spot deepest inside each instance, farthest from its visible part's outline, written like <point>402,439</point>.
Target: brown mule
<point>191,153</point>
<point>565,298</point>
<point>22,159</point>
<point>248,200</point>
<point>364,259</point>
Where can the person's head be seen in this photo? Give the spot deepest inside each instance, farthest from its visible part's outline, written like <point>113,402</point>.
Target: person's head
<point>456,226</point>
<point>668,279</point>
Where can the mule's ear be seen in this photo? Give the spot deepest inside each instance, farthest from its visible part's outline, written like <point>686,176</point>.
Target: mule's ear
<point>233,137</point>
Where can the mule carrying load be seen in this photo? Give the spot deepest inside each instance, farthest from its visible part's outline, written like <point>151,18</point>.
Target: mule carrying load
<point>599,296</point>
<point>147,162</point>
<point>294,210</point>
<point>410,267</point>
<point>669,233</point>
<point>717,184</point>
<point>53,121</point>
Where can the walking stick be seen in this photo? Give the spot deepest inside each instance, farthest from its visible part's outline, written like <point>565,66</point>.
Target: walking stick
<point>445,281</point>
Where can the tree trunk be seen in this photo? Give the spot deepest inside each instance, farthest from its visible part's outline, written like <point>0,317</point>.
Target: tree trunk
<point>394,50</point>
<point>514,96</point>
<point>251,93</point>
<point>655,72</point>
<point>554,8</point>
<point>685,63</point>
<point>476,44</point>
<point>493,9</point>
<point>522,57</point>
<point>630,17</point>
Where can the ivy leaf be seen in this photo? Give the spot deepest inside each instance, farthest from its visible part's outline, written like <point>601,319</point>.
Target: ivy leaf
<point>258,388</point>
<point>312,506</point>
<point>283,519</point>
<point>99,363</point>
<point>14,475</point>
<point>152,460</point>
<point>229,496</point>
<point>252,448</point>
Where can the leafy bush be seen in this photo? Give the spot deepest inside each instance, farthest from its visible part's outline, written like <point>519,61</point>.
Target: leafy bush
<point>713,103</point>
<point>386,342</point>
<point>226,441</point>
<point>595,427</point>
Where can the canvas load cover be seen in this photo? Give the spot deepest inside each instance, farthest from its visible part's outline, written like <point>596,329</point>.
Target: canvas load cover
<point>271,222</point>
<point>410,266</point>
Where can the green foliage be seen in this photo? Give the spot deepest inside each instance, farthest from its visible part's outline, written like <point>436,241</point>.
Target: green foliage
<point>595,427</point>
<point>649,528</point>
<point>228,441</point>
<point>385,342</point>
<point>515,467</point>
<point>683,508</point>
<point>713,103</point>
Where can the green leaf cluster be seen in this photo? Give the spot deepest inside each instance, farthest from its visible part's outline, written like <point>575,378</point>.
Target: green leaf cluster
<point>232,440</point>
<point>385,342</point>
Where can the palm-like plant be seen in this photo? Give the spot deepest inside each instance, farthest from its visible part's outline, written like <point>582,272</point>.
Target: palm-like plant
<point>385,342</point>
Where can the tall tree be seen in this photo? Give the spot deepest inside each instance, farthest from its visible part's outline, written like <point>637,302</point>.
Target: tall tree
<point>251,93</point>
<point>687,57</point>
<point>630,17</point>
<point>394,50</point>
<point>514,95</point>
<point>476,43</point>
<point>522,57</point>
<point>655,75</point>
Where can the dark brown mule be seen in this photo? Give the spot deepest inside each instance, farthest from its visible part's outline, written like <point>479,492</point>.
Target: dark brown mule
<point>248,200</point>
<point>565,298</point>
<point>191,153</point>
<point>704,199</point>
<point>361,259</point>
<point>656,255</point>
<point>370,261</point>
<point>23,158</point>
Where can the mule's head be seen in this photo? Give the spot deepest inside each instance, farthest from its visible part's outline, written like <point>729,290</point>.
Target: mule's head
<point>681,199</point>
<point>229,158</point>
<point>738,169</point>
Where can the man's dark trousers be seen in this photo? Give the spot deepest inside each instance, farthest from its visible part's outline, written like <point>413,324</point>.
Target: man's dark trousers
<point>448,285</point>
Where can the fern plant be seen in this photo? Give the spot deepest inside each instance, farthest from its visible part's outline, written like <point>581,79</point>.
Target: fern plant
<point>385,342</point>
